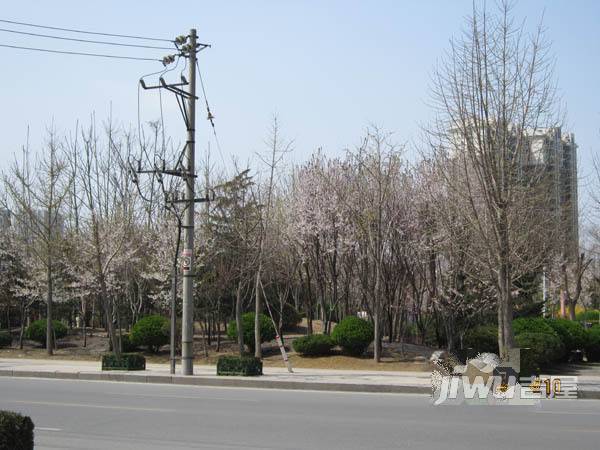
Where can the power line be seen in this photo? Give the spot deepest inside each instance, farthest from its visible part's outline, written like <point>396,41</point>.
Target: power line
<point>85,40</point>
<point>71,30</point>
<point>210,116</point>
<point>64,52</point>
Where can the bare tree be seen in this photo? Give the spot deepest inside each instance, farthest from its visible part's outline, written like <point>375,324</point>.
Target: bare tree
<point>277,150</point>
<point>108,213</point>
<point>36,202</point>
<point>492,90</point>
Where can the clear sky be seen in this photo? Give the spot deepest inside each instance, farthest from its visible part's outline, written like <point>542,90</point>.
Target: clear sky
<point>326,68</point>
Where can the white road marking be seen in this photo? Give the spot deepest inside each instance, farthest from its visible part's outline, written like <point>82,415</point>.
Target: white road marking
<point>186,397</point>
<point>574,413</point>
<point>47,429</point>
<point>83,405</point>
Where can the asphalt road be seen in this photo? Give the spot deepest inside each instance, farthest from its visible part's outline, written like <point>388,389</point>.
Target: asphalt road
<point>105,415</point>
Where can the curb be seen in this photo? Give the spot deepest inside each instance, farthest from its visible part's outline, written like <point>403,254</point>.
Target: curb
<point>592,393</point>
<point>218,382</point>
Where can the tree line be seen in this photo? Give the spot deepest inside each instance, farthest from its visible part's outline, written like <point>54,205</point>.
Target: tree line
<point>424,249</point>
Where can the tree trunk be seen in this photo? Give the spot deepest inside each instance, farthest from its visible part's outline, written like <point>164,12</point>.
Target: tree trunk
<point>571,309</point>
<point>377,318</point>
<point>238,318</point>
<point>22,328</point>
<point>218,325</point>
<point>83,325</point>
<point>49,330</point>
<point>257,308</point>
<point>308,303</point>
<point>505,310</point>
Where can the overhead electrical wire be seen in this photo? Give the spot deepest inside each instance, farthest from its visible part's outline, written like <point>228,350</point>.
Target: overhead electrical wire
<point>64,38</point>
<point>65,52</point>
<point>210,116</point>
<point>71,30</point>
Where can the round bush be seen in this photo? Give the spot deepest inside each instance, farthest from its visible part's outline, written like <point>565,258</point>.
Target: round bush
<point>151,332</point>
<point>531,325</point>
<point>267,330</point>
<point>571,333</point>
<point>5,339</point>
<point>313,345</point>
<point>538,350</point>
<point>482,339</point>
<point>291,317</point>
<point>592,344</point>
<point>37,331</point>
<point>16,431</point>
<point>353,334</point>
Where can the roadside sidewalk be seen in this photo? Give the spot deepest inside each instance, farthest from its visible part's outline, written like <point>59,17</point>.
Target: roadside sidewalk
<point>205,375</point>
<point>273,378</point>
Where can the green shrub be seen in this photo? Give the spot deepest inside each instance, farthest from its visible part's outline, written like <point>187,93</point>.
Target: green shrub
<point>591,315</point>
<point>37,331</point>
<point>592,344</point>
<point>267,330</point>
<point>291,317</point>
<point>16,431</point>
<point>246,366</point>
<point>151,332</point>
<point>127,361</point>
<point>5,339</point>
<point>531,325</point>
<point>353,334</point>
<point>571,333</point>
<point>482,339</point>
<point>313,345</point>
<point>538,350</point>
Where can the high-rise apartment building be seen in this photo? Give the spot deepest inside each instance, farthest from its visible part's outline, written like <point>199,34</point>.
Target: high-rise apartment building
<point>558,153</point>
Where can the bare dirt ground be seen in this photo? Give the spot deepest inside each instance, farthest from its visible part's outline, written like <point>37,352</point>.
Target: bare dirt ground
<point>396,356</point>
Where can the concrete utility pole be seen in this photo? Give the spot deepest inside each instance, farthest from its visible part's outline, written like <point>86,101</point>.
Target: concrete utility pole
<point>187,334</point>
<point>185,169</point>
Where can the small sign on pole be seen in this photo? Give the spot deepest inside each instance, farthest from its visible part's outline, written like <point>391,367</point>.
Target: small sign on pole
<point>186,260</point>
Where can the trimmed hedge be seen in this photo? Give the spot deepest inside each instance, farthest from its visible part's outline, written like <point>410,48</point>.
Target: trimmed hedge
<point>267,330</point>
<point>571,333</point>
<point>151,332</point>
<point>538,350</point>
<point>353,334</point>
<point>246,366</point>
<point>482,339</point>
<point>37,330</point>
<point>592,344</point>
<point>313,345</point>
<point>16,431</point>
<point>5,339</point>
<point>127,361</point>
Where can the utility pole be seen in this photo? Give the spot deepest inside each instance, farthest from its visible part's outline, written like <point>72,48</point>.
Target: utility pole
<point>185,169</point>
<point>187,334</point>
